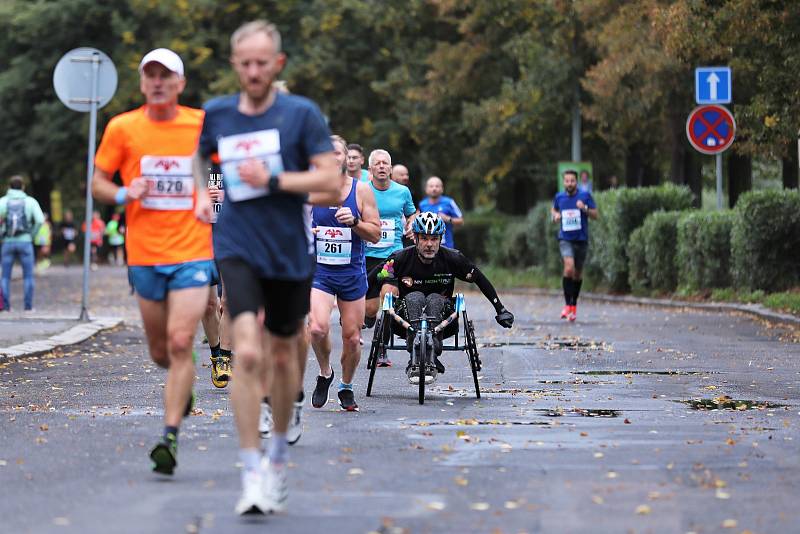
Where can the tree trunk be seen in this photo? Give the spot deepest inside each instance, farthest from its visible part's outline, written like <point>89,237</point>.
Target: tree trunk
<point>634,167</point>
<point>740,176</point>
<point>467,195</point>
<point>789,170</point>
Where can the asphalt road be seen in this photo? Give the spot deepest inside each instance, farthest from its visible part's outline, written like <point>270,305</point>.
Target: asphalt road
<point>581,428</point>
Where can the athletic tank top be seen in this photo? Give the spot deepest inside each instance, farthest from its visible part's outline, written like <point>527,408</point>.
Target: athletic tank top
<point>339,248</point>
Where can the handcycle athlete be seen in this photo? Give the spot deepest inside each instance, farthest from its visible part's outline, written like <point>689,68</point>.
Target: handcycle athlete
<point>422,279</point>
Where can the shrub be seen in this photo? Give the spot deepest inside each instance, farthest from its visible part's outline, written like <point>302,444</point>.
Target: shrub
<point>765,240</point>
<point>621,212</point>
<point>637,263</point>
<point>660,234</point>
<point>510,245</point>
<point>543,239</point>
<point>704,249</point>
<point>473,236</point>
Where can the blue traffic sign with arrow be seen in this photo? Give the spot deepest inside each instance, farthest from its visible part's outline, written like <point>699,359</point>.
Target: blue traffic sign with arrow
<point>712,85</point>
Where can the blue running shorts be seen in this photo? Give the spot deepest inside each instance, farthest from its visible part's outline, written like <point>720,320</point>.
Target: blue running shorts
<point>153,282</point>
<point>345,286</point>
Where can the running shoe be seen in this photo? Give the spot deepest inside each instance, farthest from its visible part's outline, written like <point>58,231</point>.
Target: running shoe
<point>275,489</point>
<point>295,429</point>
<point>565,311</point>
<point>573,313</point>
<point>265,420</point>
<point>165,455</point>
<point>347,400</point>
<point>320,396</point>
<point>384,361</point>
<point>220,370</point>
<point>253,501</point>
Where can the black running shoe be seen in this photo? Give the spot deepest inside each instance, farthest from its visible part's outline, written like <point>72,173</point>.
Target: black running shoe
<point>320,396</point>
<point>165,456</point>
<point>347,400</point>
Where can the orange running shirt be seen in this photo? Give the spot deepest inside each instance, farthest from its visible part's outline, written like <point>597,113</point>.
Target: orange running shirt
<point>161,228</point>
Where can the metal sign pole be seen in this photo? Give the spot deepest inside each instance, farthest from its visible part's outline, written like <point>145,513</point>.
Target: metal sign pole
<point>719,181</point>
<point>89,172</point>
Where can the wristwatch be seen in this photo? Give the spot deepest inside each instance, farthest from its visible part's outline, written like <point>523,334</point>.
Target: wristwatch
<point>274,184</point>
<point>356,220</point>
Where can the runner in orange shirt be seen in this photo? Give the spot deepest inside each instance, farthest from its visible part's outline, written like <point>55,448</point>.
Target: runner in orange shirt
<point>169,251</point>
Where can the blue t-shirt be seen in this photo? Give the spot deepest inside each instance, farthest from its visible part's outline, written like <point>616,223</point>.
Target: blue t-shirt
<point>393,204</point>
<point>447,206</point>
<point>574,222</point>
<point>267,230</point>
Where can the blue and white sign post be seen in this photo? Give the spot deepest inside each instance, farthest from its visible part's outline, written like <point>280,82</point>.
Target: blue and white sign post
<point>713,85</point>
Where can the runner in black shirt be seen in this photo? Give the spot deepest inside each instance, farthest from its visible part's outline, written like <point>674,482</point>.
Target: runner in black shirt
<point>423,276</point>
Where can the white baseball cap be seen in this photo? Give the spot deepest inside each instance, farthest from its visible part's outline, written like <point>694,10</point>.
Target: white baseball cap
<point>164,56</point>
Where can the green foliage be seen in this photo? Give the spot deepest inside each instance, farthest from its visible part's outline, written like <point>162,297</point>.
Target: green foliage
<point>542,239</point>
<point>765,240</point>
<point>704,249</point>
<point>660,233</point>
<point>473,237</point>
<point>509,245</point>
<point>637,263</point>
<point>621,212</point>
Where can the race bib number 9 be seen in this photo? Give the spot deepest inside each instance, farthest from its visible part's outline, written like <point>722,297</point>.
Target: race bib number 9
<point>170,185</point>
<point>387,234</point>
<point>333,245</point>
<point>570,220</point>
<point>263,146</point>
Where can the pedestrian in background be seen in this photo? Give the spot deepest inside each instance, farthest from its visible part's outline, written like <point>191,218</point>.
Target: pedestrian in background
<point>20,217</point>
<point>69,234</point>
<point>115,233</point>
<point>442,205</point>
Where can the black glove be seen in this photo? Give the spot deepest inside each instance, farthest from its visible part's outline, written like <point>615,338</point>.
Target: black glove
<point>504,318</point>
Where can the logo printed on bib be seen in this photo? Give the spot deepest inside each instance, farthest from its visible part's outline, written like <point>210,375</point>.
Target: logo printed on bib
<point>263,146</point>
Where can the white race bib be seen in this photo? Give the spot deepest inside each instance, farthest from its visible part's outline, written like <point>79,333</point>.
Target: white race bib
<point>264,145</point>
<point>333,245</point>
<point>570,220</point>
<point>387,235</point>
<point>170,185</point>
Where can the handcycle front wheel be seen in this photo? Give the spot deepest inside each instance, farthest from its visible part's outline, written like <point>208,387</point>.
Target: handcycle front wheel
<point>377,348</point>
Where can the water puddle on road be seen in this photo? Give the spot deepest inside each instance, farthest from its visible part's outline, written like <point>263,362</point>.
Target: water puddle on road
<point>481,422</point>
<point>579,412</point>
<point>554,343</point>
<point>663,373</point>
<point>726,403</point>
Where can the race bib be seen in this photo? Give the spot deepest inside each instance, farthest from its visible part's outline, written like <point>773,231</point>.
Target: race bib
<point>387,234</point>
<point>333,245</point>
<point>170,185</point>
<point>264,146</point>
<point>215,180</point>
<point>570,220</point>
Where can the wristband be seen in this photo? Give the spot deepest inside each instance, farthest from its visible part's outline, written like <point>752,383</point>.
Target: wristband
<point>122,193</point>
<point>274,184</point>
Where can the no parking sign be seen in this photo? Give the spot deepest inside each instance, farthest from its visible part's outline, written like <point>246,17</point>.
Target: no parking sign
<point>711,129</point>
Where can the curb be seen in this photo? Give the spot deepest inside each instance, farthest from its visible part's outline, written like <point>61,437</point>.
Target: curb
<point>76,334</point>
<point>755,310</point>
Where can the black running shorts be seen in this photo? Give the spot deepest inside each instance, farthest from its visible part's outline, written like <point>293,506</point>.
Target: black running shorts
<point>286,302</point>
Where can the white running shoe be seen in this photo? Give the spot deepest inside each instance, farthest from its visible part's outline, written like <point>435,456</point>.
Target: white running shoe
<point>275,488</point>
<point>253,499</point>
<point>295,429</point>
<point>265,421</point>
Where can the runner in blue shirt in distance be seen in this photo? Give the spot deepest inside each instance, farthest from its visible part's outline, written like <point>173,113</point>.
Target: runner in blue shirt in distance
<point>444,206</point>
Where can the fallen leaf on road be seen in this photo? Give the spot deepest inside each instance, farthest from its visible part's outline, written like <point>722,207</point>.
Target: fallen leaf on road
<point>627,421</point>
<point>598,455</point>
<point>61,521</point>
<point>43,427</point>
<point>722,494</point>
<point>479,506</point>
<point>643,509</point>
<point>611,474</point>
<point>597,499</point>
<point>511,505</point>
<point>730,523</point>
<point>355,471</point>
<point>435,505</point>
<point>461,481</point>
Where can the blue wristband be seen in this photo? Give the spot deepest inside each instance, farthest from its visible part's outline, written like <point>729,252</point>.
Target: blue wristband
<point>119,198</point>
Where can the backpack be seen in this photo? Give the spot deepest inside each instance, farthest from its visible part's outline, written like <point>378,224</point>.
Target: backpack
<point>16,220</point>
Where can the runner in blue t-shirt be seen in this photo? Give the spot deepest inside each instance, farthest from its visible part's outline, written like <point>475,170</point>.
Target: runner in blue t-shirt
<point>274,149</point>
<point>394,202</point>
<point>341,232</point>
<point>572,209</point>
<point>442,205</point>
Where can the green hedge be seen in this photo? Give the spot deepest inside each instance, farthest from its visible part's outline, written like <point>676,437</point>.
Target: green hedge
<point>509,245</point>
<point>660,233</point>
<point>621,212</point>
<point>543,239</point>
<point>704,249</point>
<point>765,240</point>
<point>637,263</point>
<point>472,238</point>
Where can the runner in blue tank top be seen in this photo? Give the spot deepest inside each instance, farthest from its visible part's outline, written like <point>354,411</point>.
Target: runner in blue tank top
<point>340,234</point>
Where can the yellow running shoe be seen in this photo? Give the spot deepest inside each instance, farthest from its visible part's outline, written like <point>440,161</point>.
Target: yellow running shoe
<point>220,370</point>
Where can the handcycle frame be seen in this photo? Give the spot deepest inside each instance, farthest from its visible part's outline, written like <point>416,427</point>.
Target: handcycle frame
<point>383,341</point>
